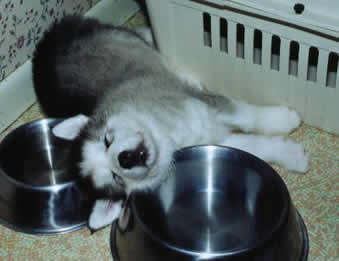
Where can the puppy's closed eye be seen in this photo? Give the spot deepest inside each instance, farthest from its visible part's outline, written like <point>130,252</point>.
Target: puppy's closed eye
<point>108,139</point>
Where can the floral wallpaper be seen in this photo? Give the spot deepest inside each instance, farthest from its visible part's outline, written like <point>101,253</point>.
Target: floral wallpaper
<point>22,23</point>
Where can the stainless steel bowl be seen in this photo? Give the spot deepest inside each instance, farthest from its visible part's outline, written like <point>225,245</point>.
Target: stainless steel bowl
<point>221,204</point>
<point>39,194</point>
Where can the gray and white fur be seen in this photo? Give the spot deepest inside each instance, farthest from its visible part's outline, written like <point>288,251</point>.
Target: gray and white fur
<point>129,110</point>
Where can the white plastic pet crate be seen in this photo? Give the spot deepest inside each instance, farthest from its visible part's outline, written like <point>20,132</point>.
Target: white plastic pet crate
<point>262,51</point>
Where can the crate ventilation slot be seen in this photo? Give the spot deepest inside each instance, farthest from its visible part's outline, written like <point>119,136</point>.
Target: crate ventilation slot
<point>332,70</point>
<point>223,35</point>
<point>240,41</point>
<point>293,59</point>
<point>312,67</point>
<point>257,45</point>
<point>207,30</point>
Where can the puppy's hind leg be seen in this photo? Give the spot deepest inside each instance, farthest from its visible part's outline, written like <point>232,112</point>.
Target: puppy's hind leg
<point>284,152</point>
<point>269,120</point>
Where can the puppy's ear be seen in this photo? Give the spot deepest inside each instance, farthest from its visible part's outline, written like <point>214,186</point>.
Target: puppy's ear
<point>70,128</point>
<point>104,212</point>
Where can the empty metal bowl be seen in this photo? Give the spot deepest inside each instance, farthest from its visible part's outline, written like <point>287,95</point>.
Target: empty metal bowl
<point>220,203</point>
<point>39,193</point>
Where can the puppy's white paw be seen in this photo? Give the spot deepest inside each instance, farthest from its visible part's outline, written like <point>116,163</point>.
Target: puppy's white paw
<point>291,119</point>
<point>280,120</point>
<point>295,157</point>
<point>104,213</point>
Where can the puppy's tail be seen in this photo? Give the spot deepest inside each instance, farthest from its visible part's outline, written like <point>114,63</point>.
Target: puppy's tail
<point>60,81</point>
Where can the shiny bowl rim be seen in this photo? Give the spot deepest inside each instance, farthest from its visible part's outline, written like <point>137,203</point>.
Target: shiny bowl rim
<point>21,184</point>
<point>304,252</point>
<point>222,253</point>
<point>42,232</point>
<point>51,188</point>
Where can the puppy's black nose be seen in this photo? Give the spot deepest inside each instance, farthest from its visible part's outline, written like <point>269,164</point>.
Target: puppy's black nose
<point>132,158</point>
<point>127,159</point>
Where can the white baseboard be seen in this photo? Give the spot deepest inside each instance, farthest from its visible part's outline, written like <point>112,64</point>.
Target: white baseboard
<point>16,94</point>
<point>114,12</point>
<point>16,91</point>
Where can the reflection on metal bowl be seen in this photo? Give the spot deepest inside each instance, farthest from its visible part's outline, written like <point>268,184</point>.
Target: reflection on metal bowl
<point>39,193</point>
<point>219,204</point>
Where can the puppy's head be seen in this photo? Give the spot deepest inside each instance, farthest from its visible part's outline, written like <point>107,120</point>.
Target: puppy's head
<point>125,155</point>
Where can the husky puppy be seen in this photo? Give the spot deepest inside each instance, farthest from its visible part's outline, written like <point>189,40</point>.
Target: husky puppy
<point>129,110</point>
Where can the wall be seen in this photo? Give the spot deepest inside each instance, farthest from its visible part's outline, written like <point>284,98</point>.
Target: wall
<point>22,23</point>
